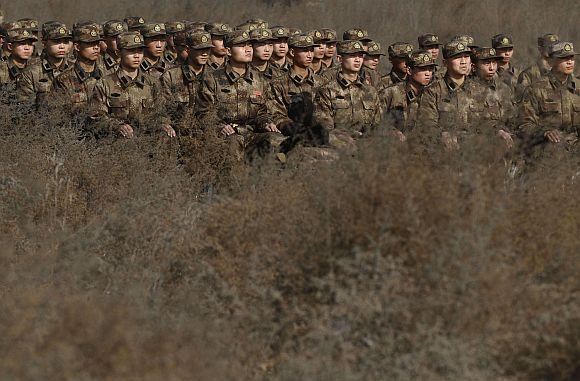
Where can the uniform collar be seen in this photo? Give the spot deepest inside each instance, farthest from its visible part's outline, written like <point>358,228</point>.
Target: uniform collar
<point>452,85</point>
<point>189,73</point>
<point>346,83</point>
<point>234,77</point>
<point>410,93</point>
<point>395,77</point>
<point>127,81</point>
<point>48,67</point>
<point>570,84</point>
<point>299,79</point>
<point>109,61</point>
<point>84,76</point>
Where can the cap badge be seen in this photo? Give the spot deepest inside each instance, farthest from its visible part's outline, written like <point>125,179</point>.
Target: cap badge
<point>62,31</point>
<point>157,28</point>
<point>204,39</point>
<point>309,39</point>
<point>93,33</point>
<point>552,38</point>
<point>460,46</point>
<point>224,27</point>
<point>433,38</point>
<point>318,34</point>
<point>141,20</point>
<point>179,26</point>
<point>280,31</point>
<point>33,24</point>
<point>119,27</point>
<point>568,47</point>
<point>137,39</point>
<point>357,45</point>
<point>25,33</point>
<point>360,33</point>
<point>426,58</point>
<point>245,35</point>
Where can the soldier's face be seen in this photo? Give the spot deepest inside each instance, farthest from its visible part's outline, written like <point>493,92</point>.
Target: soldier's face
<point>319,51</point>
<point>88,50</point>
<point>57,48</point>
<point>302,57</point>
<point>218,49</point>
<point>564,65</point>
<point>399,65</point>
<point>330,50</point>
<point>372,62</point>
<point>486,69</point>
<point>131,58</point>
<point>352,62</point>
<point>434,52</point>
<point>199,56</point>
<point>155,46</point>
<point>459,65</point>
<point>263,51</point>
<point>22,50</point>
<point>280,48</point>
<point>421,75</point>
<point>506,54</point>
<point>241,53</point>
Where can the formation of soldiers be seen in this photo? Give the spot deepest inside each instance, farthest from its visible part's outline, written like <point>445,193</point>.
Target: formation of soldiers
<point>283,88</point>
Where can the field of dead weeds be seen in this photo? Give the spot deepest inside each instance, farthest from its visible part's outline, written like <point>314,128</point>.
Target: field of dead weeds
<point>127,260</point>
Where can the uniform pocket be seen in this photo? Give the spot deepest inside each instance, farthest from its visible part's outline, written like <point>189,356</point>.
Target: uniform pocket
<point>118,105</point>
<point>549,107</point>
<point>576,113</point>
<point>339,104</point>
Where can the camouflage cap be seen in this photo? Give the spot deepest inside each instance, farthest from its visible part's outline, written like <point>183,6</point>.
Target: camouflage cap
<point>19,35</point>
<point>173,27</point>
<point>428,39</point>
<point>130,40</point>
<point>199,26</point>
<point>237,37</point>
<point>30,24</point>
<point>151,30</point>
<point>356,34</point>
<point>400,50</point>
<point>420,58</point>
<point>56,31</point>
<point>199,40</point>
<point>500,41</point>
<point>548,40</point>
<point>113,28</point>
<point>295,31</point>
<point>261,35</point>
<point>180,39</point>
<point>485,53</point>
<point>247,27</point>
<point>317,36</point>
<point>8,26</point>
<point>466,39</point>
<point>374,49</point>
<point>218,29</point>
<point>260,23</point>
<point>350,47</point>
<point>86,33</point>
<point>330,35</point>
<point>134,22</point>
<point>562,49</point>
<point>279,32</point>
<point>454,48</point>
<point>301,41</point>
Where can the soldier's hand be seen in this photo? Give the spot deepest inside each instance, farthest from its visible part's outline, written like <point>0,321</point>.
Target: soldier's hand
<point>507,138</point>
<point>228,130</point>
<point>553,136</point>
<point>400,135</point>
<point>126,131</point>
<point>450,142</point>
<point>271,127</point>
<point>169,130</point>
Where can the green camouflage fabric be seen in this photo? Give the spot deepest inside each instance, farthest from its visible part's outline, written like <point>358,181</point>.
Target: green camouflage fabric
<point>155,69</point>
<point>390,79</point>
<point>285,87</point>
<point>108,64</point>
<point>401,105</point>
<point>428,40</point>
<point>548,105</point>
<point>509,75</point>
<point>9,72</point>
<point>134,23</point>
<point>493,106</point>
<point>77,84</point>
<point>113,28</point>
<point>270,73</point>
<point>347,109</point>
<point>118,99</point>
<point>37,79</point>
<point>531,75</point>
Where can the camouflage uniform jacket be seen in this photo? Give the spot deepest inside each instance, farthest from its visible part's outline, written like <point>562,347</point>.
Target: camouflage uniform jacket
<point>390,79</point>
<point>284,68</point>
<point>38,79</point>
<point>9,73</point>
<point>401,103</point>
<point>155,70</point>
<point>533,73</point>
<point>352,106</point>
<point>445,106</point>
<point>214,65</point>
<point>371,77</point>
<point>492,105</point>
<point>78,84</point>
<point>547,105</point>
<point>238,100</point>
<point>366,75</point>
<point>181,86</point>
<point>509,76</point>
<point>170,57</point>
<point>118,99</point>
<point>285,87</point>
<point>271,72</point>
<point>108,64</point>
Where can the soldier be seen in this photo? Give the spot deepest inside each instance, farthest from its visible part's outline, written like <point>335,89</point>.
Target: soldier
<point>541,68</point>
<point>444,106</point>
<point>262,46</point>
<point>172,28</point>
<point>346,106</point>
<point>33,26</point>
<point>550,110</point>
<point>298,80</point>
<point>110,59</point>
<point>401,101</point>
<point>430,43</point>
<point>180,43</point>
<point>279,58</point>
<point>399,56</point>
<point>126,99</point>
<point>319,49</point>
<point>134,23</point>
<point>371,63</point>
<point>503,45</point>
<point>331,39</point>
<point>37,79</point>
<point>234,97</point>
<point>20,43</point>
<point>357,34</point>
<point>493,108</point>
<point>218,54</point>
<point>78,81</point>
<point>154,62</point>
<point>181,84</point>
<point>4,29</point>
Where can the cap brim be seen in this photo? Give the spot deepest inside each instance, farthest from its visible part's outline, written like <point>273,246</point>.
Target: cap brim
<point>375,54</point>
<point>432,44</point>
<point>202,46</point>
<point>303,46</point>
<point>566,54</point>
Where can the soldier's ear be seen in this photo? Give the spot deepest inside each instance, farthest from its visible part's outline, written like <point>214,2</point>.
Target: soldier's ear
<point>9,46</point>
<point>76,46</point>
<point>291,52</point>
<point>229,51</point>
